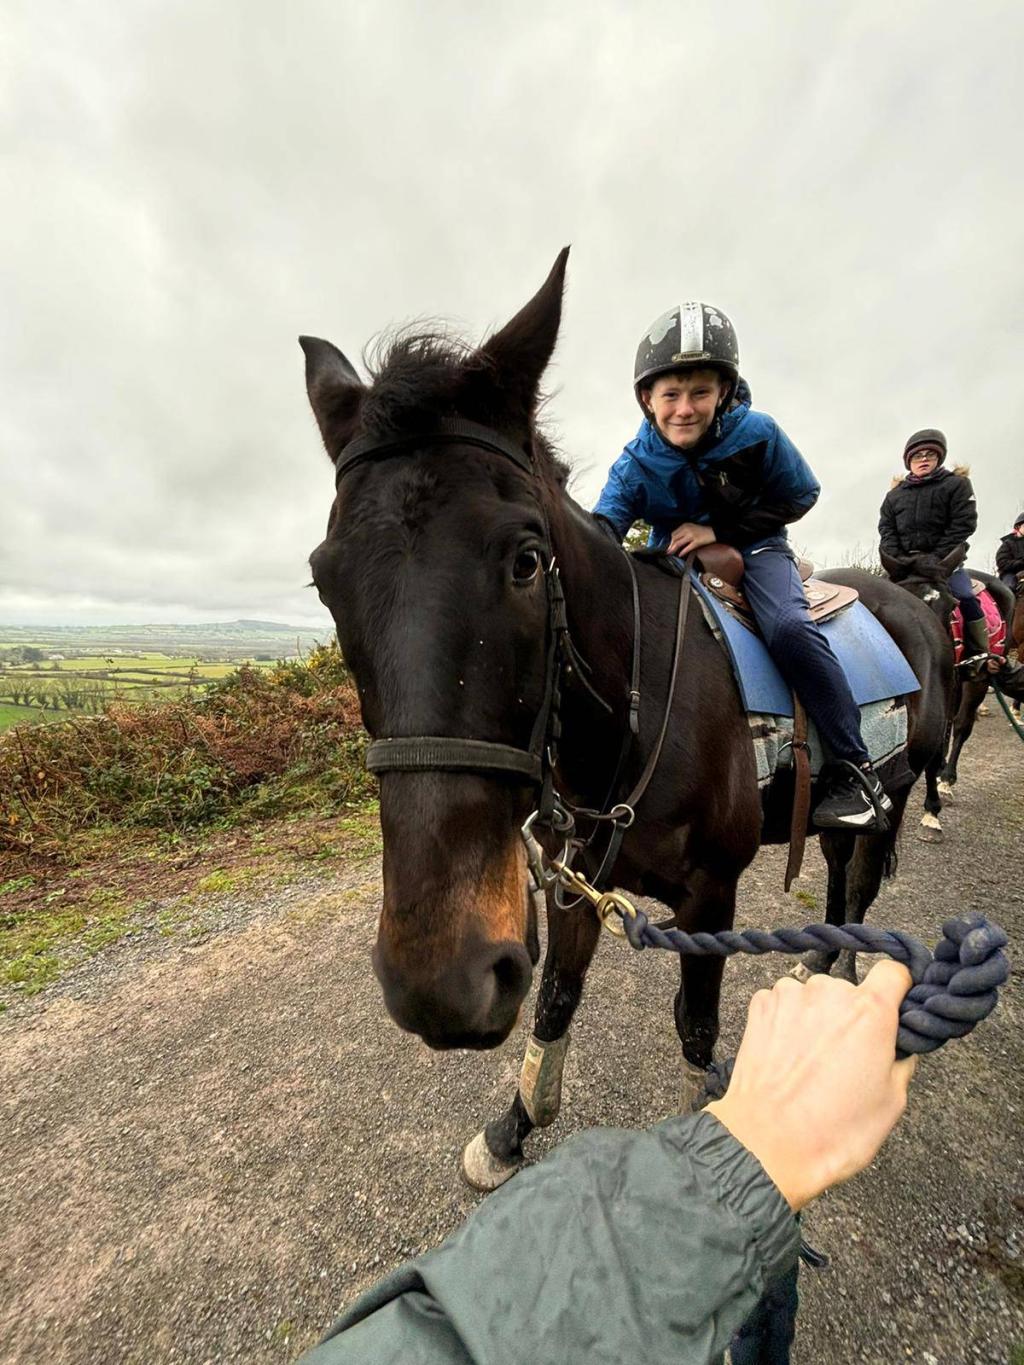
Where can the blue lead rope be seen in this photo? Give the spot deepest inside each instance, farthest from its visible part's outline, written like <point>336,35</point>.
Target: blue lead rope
<point>954,988</point>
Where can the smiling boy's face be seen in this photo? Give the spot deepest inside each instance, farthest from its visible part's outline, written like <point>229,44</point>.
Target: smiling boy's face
<point>682,406</point>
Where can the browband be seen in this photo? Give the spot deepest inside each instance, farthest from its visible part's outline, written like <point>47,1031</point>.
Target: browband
<point>447,431</point>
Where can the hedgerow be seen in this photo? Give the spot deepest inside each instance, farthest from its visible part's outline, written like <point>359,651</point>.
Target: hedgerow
<point>260,742</point>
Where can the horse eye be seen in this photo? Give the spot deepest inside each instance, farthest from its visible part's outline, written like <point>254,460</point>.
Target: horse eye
<point>526,566</point>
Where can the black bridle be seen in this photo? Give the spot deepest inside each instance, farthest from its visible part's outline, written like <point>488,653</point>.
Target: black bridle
<point>425,753</point>
<point>536,763</point>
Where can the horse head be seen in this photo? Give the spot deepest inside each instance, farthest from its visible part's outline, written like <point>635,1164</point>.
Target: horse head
<point>927,577</point>
<point>435,568</point>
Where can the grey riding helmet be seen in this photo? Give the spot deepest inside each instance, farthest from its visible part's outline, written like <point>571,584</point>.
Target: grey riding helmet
<point>689,336</point>
<point>928,439</point>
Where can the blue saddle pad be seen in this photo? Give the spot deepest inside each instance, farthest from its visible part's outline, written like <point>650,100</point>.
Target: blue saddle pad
<point>874,667</point>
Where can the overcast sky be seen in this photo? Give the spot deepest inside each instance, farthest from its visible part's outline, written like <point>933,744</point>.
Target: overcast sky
<point>188,186</point>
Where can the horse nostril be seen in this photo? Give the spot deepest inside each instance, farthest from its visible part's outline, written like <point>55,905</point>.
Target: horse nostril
<point>512,971</point>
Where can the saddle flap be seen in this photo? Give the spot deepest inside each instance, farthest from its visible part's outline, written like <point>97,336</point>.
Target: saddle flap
<point>824,600</point>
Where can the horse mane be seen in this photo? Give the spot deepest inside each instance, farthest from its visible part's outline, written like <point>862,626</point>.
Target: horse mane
<point>420,376</point>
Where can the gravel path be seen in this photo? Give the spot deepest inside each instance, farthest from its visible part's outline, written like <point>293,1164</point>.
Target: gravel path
<point>205,1151</point>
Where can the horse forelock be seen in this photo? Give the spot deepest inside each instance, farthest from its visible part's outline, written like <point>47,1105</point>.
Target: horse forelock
<point>419,377</point>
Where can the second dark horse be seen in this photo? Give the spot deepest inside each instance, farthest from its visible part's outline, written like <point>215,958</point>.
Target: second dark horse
<point>927,578</point>
<point>435,567</point>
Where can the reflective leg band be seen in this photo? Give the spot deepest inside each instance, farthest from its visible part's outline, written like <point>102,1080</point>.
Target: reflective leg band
<point>540,1081</point>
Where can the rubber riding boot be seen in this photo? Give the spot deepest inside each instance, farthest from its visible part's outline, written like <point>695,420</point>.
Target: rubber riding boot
<point>854,799</point>
<point>975,648</point>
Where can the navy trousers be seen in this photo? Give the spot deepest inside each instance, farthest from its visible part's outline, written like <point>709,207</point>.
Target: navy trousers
<point>771,584</point>
<point>960,586</point>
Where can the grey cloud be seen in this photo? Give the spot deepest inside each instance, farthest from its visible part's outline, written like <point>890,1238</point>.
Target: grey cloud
<point>196,185</point>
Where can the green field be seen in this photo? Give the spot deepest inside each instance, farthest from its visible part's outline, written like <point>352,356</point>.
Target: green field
<point>49,674</point>
<point>12,715</point>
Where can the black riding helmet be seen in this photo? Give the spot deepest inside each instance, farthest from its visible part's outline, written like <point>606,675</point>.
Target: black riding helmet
<point>690,336</point>
<point>929,437</point>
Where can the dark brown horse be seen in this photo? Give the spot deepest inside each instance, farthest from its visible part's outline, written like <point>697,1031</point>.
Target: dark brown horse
<point>1017,619</point>
<point>438,568</point>
<point>927,577</point>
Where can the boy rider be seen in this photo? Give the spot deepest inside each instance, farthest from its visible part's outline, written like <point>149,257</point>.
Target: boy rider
<point>703,468</point>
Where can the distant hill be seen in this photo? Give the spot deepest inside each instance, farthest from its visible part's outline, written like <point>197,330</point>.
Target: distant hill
<point>228,640</point>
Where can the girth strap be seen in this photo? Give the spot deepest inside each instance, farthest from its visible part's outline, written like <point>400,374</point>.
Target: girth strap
<point>423,753</point>
<point>801,793</point>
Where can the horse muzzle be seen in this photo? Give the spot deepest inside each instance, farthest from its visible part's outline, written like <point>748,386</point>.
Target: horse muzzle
<point>472,1000</point>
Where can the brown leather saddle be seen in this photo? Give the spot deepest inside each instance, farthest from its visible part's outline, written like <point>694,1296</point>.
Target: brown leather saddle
<point>722,573</point>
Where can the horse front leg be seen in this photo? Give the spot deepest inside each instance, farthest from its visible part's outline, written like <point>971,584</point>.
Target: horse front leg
<point>496,1153</point>
<point>710,906</point>
<point>874,857</point>
<point>972,694</point>
<point>930,829</point>
<point>837,846</point>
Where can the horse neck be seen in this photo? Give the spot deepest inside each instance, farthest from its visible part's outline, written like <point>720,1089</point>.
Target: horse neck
<point>598,597</point>
<point>1017,620</point>
<point>599,606</point>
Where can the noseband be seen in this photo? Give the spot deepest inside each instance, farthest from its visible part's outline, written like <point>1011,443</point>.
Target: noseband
<point>426,753</point>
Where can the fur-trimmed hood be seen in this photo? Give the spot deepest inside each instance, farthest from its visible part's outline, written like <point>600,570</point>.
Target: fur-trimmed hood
<point>964,470</point>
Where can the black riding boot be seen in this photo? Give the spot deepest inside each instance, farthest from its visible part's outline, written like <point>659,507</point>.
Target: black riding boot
<point>975,656</point>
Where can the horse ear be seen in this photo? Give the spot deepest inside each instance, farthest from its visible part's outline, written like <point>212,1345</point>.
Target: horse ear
<point>335,392</point>
<point>521,350</point>
<point>952,560</point>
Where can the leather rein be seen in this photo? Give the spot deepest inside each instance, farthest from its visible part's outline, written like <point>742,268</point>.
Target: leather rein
<point>534,764</point>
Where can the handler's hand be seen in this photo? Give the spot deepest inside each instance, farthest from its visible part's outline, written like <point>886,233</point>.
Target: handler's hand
<point>690,536</point>
<point>816,1088</point>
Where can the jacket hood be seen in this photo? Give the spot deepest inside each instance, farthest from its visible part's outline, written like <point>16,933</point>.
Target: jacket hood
<point>963,470</point>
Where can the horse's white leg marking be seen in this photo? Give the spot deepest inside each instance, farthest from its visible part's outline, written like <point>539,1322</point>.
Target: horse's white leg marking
<point>930,830</point>
<point>693,1086</point>
<point>540,1081</point>
<point>482,1169</point>
<point>946,792</point>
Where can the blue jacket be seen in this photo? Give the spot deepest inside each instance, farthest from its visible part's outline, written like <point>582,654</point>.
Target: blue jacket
<point>747,483</point>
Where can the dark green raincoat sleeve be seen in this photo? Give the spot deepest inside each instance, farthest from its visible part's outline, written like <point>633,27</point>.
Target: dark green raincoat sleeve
<point>649,1247</point>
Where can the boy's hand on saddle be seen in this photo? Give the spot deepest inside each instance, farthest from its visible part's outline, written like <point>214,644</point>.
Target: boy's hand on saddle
<point>816,1088</point>
<point>690,536</point>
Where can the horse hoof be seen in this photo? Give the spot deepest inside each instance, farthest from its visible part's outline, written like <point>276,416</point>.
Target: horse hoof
<point>946,792</point>
<point>694,1078</point>
<point>983,710</point>
<point>801,973</point>
<point>482,1170</point>
<point>929,831</point>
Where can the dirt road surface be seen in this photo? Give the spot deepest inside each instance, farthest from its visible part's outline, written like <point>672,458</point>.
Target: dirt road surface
<point>206,1151</point>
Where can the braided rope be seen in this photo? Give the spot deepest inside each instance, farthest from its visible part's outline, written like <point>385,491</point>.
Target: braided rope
<point>954,988</point>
